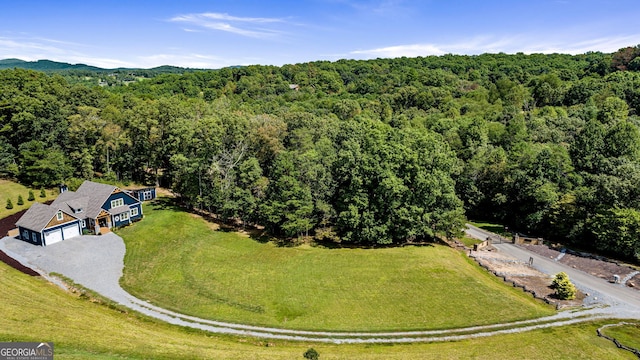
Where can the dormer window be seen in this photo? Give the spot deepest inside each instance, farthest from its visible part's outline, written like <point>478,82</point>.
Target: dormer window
<point>78,211</point>
<point>59,216</point>
<point>117,202</point>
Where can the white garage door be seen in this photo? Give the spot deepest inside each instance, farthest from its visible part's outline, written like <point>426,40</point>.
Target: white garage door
<point>52,237</point>
<point>70,231</point>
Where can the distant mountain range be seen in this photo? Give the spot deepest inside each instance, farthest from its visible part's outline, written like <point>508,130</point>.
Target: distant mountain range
<point>54,66</point>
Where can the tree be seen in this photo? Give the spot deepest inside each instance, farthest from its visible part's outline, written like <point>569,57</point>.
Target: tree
<point>31,196</point>
<point>618,230</point>
<point>565,290</point>
<point>20,200</point>
<point>43,166</point>
<point>8,166</point>
<point>311,354</point>
<point>288,207</point>
<point>394,185</point>
<point>9,204</point>
<point>43,194</point>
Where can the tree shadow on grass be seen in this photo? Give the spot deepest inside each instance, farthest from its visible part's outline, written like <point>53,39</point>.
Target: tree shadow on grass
<point>260,235</point>
<point>166,203</point>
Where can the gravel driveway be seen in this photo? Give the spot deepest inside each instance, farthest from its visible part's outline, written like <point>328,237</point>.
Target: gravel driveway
<point>96,262</point>
<point>621,301</point>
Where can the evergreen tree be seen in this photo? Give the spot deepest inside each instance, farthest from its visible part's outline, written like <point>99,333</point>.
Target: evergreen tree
<point>31,196</point>
<point>20,200</point>
<point>565,290</point>
<point>9,204</point>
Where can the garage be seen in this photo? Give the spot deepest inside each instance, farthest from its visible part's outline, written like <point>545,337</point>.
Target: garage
<point>70,231</point>
<point>52,237</point>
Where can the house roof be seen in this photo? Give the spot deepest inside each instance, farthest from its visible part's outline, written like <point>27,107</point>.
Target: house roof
<point>89,197</point>
<point>119,210</point>
<point>97,194</point>
<point>38,216</point>
<point>71,201</point>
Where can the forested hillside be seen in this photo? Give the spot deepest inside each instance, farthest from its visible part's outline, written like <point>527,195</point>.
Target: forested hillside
<point>366,152</point>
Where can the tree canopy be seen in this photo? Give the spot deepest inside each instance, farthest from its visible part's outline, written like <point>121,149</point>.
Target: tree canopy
<point>381,151</point>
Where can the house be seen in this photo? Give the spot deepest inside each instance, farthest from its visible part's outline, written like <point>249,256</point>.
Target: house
<point>143,194</point>
<point>93,208</point>
<point>45,224</point>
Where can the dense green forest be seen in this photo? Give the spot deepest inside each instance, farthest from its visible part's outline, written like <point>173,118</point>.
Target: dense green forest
<point>365,152</point>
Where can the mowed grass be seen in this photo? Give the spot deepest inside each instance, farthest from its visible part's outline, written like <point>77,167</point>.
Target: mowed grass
<point>627,334</point>
<point>34,310</point>
<point>11,190</point>
<point>494,228</point>
<point>469,241</point>
<point>175,260</point>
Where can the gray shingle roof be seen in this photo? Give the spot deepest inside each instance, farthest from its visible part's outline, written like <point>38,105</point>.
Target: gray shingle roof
<point>119,210</point>
<point>89,197</point>
<point>38,216</point>
<point>97,194</point>
<point>71,201</point>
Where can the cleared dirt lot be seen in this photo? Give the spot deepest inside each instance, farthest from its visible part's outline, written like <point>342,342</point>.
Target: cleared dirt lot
<point>522,275</point>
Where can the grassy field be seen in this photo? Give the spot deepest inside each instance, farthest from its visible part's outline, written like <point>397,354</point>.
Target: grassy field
<point>494,228</point>
<point>11,190</point>
<point>177,261</point>
<point>469,241</point>
<point>34,310</point>
<point>628,335</point>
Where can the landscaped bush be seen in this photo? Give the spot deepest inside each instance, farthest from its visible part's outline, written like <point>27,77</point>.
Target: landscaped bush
<point>9,204</point>
<point>565,290</point>
<point>43,193</point>
<point>311,354</point>
<point>31,196</point>
<point>20,200</point>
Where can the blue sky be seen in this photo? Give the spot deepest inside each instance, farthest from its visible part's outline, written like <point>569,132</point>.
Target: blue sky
<point>219,33</point>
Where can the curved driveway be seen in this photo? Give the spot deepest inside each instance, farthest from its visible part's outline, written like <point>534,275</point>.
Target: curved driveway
<point>96,262</point>
<point>618,296</point>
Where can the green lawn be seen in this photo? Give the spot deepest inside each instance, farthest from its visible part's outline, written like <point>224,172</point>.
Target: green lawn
<point>177,261</point>
<point>11,190</point>
<point>469,241</point>
<point>628,334</point>
<point>34,310</point>
<point>494,228</point>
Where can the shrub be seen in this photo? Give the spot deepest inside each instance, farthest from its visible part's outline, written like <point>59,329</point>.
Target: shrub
<point>311,354</point>
<point>20,200</point>
<point>9,204</point>
<point>42,193</point>
<point>565,290</point>
<point>31,196</point>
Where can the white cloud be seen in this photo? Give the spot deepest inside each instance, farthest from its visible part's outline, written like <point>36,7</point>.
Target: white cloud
<point>193,60</point>
<point>511,44</point>
<point>246,26</point>
<point>34,48</point>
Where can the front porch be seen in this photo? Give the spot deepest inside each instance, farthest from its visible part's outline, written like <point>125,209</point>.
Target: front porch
<point>103,223</point>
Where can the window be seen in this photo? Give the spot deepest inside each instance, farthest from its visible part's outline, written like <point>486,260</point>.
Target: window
<point>134,211</point>
<point>124,216</point>
<point>84,224</point>
<point>78,211</point>
<point>34,237</point>
<point>117,202</point>
<point>146,195</point>
<point>59,215</point>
